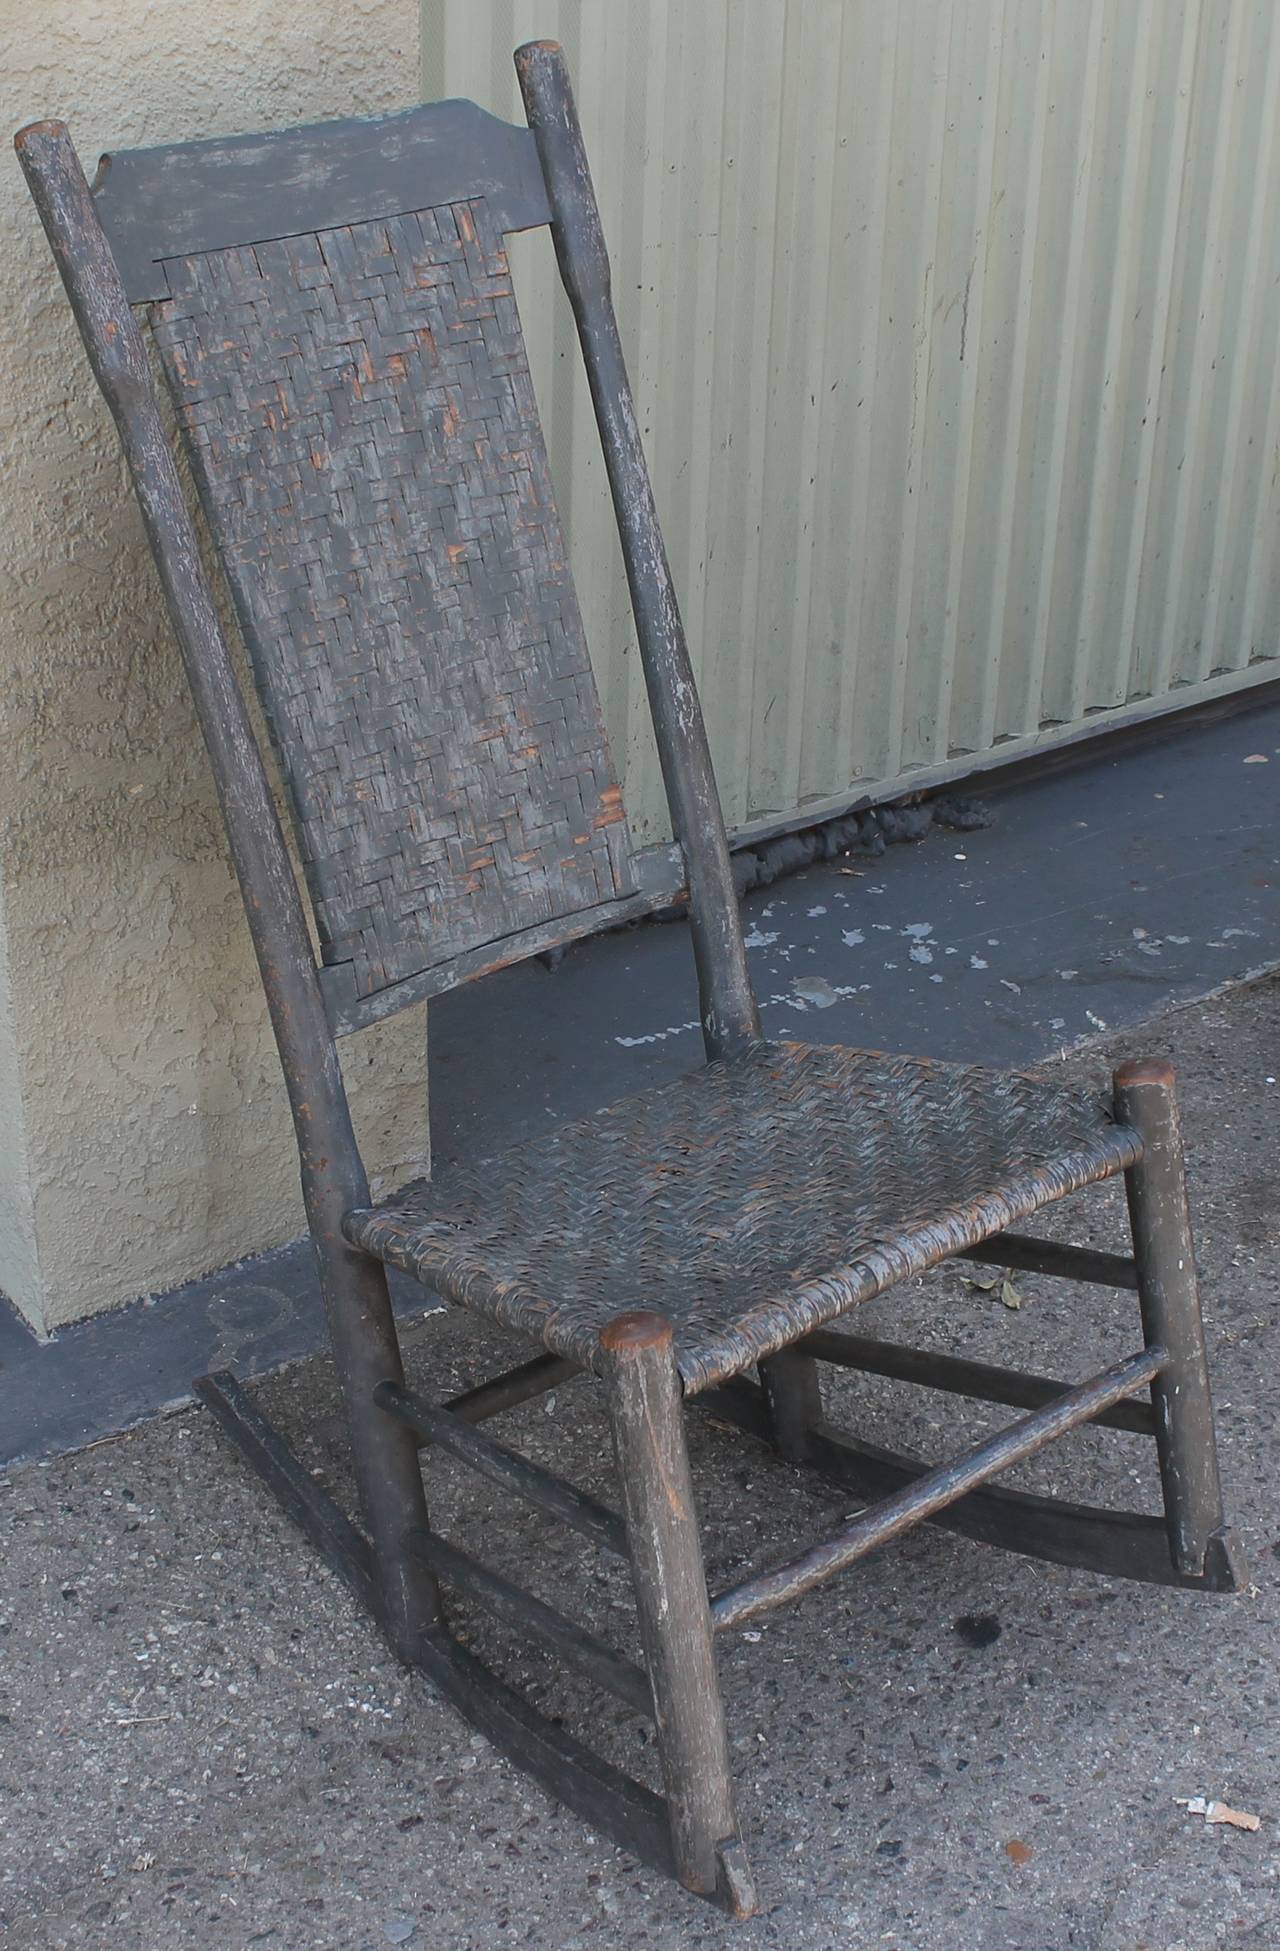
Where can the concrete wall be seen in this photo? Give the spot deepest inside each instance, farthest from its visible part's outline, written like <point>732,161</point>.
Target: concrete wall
<point>145,1137</point>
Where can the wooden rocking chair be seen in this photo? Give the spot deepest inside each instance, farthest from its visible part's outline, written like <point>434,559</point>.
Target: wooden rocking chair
<point>334,314</point>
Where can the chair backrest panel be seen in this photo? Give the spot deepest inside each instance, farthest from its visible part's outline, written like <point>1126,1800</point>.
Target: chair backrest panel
<point>361,421</point>
<point>334,310</point>
<point>190,197</point>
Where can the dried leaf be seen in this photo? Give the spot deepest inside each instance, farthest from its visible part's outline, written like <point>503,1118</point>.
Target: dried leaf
<point>1018,1852</point>
<point>985,1283</point>
<point>1009,1294</point>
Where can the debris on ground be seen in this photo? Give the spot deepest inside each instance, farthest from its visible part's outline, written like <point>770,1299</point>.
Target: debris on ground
<point>1196,1805</point>
<point>1004,1289</point>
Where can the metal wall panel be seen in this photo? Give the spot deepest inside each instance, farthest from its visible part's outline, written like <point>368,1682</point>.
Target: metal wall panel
<point>953,326</point>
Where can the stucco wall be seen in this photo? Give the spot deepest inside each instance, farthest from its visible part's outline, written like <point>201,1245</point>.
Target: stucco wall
<point>142,1117</point>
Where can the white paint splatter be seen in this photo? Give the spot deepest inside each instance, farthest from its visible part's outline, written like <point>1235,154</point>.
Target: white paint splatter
<point>852,937</point>
<point>919,953</point>
<point>656,1036</point>
<point>918,929</point>
<point>815,990</point>
<point>801,1003</point>
<point>815,912</point>
<point>758,940</point>
<point>978,962</point>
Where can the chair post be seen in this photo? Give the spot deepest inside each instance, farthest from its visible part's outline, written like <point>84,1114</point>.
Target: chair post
<point>793,1392</point>
<point>730,1015</point>
<point>646,1409</point>
<point>1168,1294</point>
<point>361,1323</point>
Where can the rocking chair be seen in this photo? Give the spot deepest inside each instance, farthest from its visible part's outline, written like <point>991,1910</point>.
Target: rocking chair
<point>334,315</point>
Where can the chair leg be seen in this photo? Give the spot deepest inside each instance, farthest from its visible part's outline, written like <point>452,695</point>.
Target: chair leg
<point>384,1452</point>
<point>1168,1294</point>
<point>794,1395</point>
<point>647,1415</point>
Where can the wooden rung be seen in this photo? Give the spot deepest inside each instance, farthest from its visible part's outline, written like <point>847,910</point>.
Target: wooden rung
<point>935,1490</point>
<point>524,1612</point>
<point>958,1376</point>
<point>516,1385</point>
<point>1028,1256</point>
<point>503,1466</point>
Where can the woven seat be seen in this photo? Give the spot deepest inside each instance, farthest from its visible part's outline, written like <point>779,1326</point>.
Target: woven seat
<point>749,1202</point>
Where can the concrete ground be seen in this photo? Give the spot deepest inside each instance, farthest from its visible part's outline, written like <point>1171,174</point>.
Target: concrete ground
<point>202,1743</point>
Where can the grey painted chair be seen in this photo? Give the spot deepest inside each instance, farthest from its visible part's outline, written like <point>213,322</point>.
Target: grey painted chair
<point>334,314</point>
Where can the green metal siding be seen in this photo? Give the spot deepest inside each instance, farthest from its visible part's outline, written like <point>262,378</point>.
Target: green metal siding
<point>953,327</point>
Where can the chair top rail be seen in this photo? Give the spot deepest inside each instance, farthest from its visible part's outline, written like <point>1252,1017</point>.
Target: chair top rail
<point>190,197</point>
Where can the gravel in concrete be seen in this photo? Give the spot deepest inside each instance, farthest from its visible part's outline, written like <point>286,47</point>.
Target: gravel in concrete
<point>203,1744</point>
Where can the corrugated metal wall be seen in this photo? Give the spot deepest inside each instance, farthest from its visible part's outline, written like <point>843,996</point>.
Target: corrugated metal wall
<point>953,327</point>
